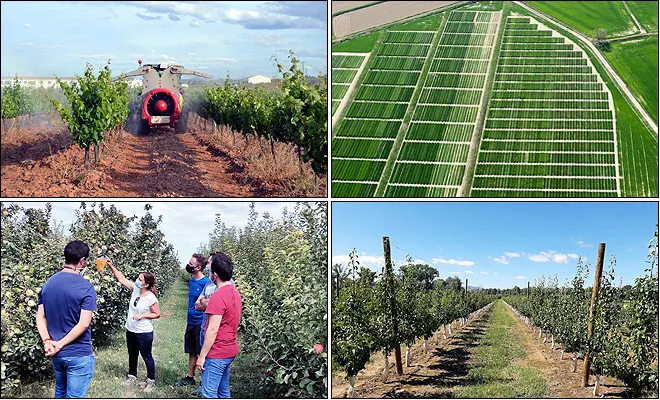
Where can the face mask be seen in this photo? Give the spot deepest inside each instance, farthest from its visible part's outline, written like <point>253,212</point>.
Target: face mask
<point>208,270</point>
<point>82,271</point>
<point>190,269</point>
<point>138,284</point>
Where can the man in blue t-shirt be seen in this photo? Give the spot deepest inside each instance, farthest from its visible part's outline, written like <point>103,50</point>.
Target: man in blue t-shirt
<point>194,322</point>
<point>64,315</point>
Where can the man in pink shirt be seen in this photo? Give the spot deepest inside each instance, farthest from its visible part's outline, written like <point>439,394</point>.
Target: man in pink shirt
<point>221,332</point>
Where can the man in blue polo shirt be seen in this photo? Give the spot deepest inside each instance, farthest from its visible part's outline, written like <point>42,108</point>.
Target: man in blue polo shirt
<point>194,322</point>
<point>64,315</point>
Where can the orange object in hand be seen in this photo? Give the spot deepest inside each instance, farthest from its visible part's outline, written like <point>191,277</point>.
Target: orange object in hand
<point>100,264</point>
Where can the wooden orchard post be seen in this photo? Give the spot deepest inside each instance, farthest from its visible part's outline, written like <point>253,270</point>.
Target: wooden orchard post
<point>389,275</point>
<point>592,310</point>
<point>527,289</point>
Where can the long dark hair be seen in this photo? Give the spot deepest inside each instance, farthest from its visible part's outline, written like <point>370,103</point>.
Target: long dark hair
<point>150,281</point>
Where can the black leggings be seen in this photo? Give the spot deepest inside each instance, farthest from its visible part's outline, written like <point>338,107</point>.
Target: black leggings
<point>140,343</point>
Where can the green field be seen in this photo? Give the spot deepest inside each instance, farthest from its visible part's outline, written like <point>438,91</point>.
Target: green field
<point>636,62</point>
<point>362,44</point>
<point>548,130</point>
<point>646,13</point>
<point>587,16</point>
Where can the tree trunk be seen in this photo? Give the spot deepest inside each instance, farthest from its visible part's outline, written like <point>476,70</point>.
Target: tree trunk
<point>597,386</point>
<point>97,147</point>
<point>351,389</point>
<point>87,156</point>
<point>408,356</point>
<point>426,346</point>
<point>386,371</point>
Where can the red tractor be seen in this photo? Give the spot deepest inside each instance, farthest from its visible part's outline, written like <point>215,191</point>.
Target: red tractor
<point>161,100</point>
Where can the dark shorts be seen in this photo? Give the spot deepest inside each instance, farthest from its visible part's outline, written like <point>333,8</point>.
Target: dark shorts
<point>191,339</point>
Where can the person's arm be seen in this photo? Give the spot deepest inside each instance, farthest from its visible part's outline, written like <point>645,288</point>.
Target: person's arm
<point>201,303</point>
<point>155,313</point>
<point>120,277</point>
<point>209,339</point>
<point>42,327</point>
<point>75,332</point>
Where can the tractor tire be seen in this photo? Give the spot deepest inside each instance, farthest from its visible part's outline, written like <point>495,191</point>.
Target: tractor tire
<point>143,128</point>
<point>181,125</point>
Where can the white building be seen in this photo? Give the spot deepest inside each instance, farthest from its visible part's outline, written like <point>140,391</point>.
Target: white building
<point>47,82</point>
<point>258,79</point>
<point>44,82</point>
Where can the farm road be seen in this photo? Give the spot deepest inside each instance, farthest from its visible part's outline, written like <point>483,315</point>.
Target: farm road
<point>43,163</point>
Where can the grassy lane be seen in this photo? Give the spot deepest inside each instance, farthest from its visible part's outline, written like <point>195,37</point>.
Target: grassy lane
<point>171,361</point>
<point>493,370</point>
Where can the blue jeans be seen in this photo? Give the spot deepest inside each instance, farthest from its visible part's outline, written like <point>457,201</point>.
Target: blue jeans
<point>215,378</point>
<point>73,376</point>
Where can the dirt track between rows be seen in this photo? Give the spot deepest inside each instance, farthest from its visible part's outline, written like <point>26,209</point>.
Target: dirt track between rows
<point>41,162</point>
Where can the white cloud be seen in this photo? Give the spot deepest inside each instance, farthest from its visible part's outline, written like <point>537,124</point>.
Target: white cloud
<point>511,255</point>
<point>28,25</point>
<point>499,260</point>
<point>454,273</point>
<point>572,255</point>
<point>464,263</point>
<point>495,273</point>
<point>521,277</point>
<point>364,260</point>
<point>191,54</point>
<point>483,272</point>
<point>195,24</point>
<point>581,243</point>
<point>551,256</point>
<point>468,272</point>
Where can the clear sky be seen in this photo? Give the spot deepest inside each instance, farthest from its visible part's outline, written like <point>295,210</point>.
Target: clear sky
<point>185,224</point>
<point>497,244</point>
<point>215,37</point>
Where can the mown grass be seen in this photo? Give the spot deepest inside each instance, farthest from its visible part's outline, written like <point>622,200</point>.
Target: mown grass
<point>492,372</point>
<point>636,62</point>
<point>587,16</point>
<point>171,361</point>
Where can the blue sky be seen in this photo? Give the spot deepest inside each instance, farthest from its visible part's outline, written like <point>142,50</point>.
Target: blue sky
<point>185,224</point>
<point>497,244</point>
<point>46,38</point>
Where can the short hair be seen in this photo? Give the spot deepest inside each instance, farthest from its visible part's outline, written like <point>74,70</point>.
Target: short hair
<point>74,251</point>
<point>222,266</point>
<point>201,260</point>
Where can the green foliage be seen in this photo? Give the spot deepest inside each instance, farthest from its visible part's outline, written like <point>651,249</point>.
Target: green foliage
<point>32,251</point>
<point>280,270</point>
<point>364,312</point>
<point>295,113</point>
<point>625,338</point>
<point>96,105</point>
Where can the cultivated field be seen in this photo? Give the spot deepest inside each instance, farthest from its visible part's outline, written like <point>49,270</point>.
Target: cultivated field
<point>380,14</point>
<point>433,157</point>
<point>549,130</point>
<point>480,103</point>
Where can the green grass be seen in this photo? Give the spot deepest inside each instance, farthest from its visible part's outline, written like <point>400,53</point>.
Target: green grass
<point>171,361</point>
<point>646,13</point>
<point>636,62</point>
<point>493,373</point>
<point>361,44</point>
<point>587,16</point>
